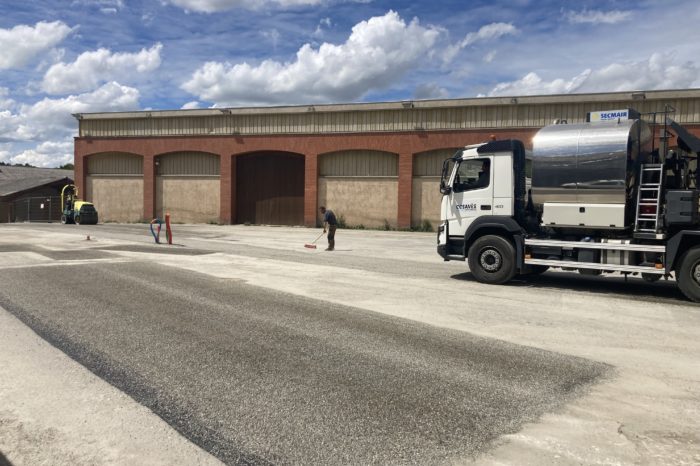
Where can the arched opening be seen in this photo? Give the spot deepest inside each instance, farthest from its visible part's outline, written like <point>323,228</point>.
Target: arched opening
<point>188,186</point>
<point>270,188</point>
<point>114,183</point>
<point>361,186</point>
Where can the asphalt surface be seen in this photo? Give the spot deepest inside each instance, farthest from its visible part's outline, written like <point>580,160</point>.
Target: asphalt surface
<point>257,376</point>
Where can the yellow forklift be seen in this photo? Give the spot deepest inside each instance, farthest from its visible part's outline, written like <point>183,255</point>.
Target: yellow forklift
<point>75,210</point>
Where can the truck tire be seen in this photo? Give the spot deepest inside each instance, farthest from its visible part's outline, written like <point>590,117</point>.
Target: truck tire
<point>492,260</point>
<point>688,274</point>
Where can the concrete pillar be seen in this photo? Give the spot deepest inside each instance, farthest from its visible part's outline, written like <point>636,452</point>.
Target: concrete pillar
<point>149,187</point>
<point>310,189</point>
<point>405,189</point>
<point>227,182</point>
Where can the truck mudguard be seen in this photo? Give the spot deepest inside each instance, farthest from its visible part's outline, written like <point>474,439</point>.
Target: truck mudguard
<point>494,225</point>
<point>678,244</point>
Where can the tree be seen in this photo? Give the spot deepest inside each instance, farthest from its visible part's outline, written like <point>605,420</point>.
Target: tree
<point>67,166</point>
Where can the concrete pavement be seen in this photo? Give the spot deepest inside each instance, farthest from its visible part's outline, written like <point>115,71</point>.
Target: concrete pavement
<point>646,414</point>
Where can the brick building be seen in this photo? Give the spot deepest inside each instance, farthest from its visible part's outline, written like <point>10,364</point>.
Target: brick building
<point>373,163</point>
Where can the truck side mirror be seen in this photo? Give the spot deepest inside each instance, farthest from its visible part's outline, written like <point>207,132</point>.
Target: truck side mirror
<point>444,189</point>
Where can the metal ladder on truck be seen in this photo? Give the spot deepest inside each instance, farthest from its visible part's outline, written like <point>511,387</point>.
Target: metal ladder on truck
<point>649,198</point>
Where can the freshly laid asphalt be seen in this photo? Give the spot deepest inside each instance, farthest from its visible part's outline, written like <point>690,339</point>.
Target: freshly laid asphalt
<point>256,376</point>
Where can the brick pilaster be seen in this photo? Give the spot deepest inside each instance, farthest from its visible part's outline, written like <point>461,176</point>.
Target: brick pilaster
<point>405,189</point>
<point>149,187</point>
<point>310,190</point>
<point>227,183</point>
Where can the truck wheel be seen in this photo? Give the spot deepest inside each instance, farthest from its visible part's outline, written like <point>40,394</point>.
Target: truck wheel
<point>492,260</point>
<point>688,274</point>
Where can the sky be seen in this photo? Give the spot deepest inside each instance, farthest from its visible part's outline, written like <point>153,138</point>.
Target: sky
<point>59,57</point>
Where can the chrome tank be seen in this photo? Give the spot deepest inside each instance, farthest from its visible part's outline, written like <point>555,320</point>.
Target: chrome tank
<point>589,163</point>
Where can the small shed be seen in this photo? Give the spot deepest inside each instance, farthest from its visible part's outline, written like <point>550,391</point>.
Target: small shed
<point>30,194</point>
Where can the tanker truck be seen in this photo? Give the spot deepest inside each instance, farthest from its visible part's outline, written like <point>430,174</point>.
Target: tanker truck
<point>595,197</point>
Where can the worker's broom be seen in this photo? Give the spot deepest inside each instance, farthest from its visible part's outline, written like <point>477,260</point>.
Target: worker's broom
<point>312,245</point>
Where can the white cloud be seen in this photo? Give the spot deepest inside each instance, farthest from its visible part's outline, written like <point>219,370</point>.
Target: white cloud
<point>597,17</point>
<point>107,7</point>
<point>50,123</point>
<point>377,53</point>
<point>50,115</point>
<point>430,91</point>
<point>532,84</point>
<point>489,32</point>
<point>273,36</point>
<point>5,101</point>
<point>660,71</point>
<point>486,33</point>
<point>191,105</point>
<point>489,57</point>
<point>22,43</point>
<point>49,119</point>
<point>325,23</point>
<point>213,6</point>
<point>91,69</point>
<point>9,124</point>
<point>47,154</point>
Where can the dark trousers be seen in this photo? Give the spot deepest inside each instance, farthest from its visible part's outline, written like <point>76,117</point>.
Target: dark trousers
<point>331,236</point>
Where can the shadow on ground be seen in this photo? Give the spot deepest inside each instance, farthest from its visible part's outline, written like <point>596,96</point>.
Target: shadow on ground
<point>633,288</point>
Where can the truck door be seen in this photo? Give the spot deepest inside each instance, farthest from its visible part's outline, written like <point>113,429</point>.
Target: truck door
<point>471,195</point>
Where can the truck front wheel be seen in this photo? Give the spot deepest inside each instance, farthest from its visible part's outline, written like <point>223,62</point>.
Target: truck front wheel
<point>688,274</point>
<point>492,260</point>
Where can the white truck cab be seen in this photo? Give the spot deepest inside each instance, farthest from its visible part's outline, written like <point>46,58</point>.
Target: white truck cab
<point>472,190</point>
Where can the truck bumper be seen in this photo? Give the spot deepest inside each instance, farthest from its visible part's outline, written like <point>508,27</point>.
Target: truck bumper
<point>442,251</point>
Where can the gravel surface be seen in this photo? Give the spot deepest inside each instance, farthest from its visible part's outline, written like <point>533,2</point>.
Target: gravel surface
<point>256,376</point>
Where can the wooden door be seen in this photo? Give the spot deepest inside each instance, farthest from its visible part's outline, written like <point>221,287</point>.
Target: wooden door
<point>270,189</point>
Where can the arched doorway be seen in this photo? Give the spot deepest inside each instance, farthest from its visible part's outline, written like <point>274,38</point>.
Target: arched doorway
<point>114,183</point>
<point>361,186</point>
<point>270,188</point>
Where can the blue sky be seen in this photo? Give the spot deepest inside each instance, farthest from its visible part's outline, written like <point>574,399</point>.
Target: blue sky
<point>60,57</point>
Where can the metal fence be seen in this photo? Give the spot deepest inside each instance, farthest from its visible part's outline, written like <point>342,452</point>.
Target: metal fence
<point>36,209</point>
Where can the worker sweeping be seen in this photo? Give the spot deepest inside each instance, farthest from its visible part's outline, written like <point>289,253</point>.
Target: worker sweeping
<point>330,223</point>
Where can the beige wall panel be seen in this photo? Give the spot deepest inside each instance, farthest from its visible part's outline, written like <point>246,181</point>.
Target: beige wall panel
<point>117,199</point>
<point>188,199</point>
<point>359,163</point>
<point>188,163</point>
<point>115,163</point>
<point>366,201</point>
<point>426,201</point>
<point>430,163</point>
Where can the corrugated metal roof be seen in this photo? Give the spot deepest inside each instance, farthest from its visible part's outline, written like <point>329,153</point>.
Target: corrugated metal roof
<point>426,115</point>
<point>14,180</point>
<point>418,104</point>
